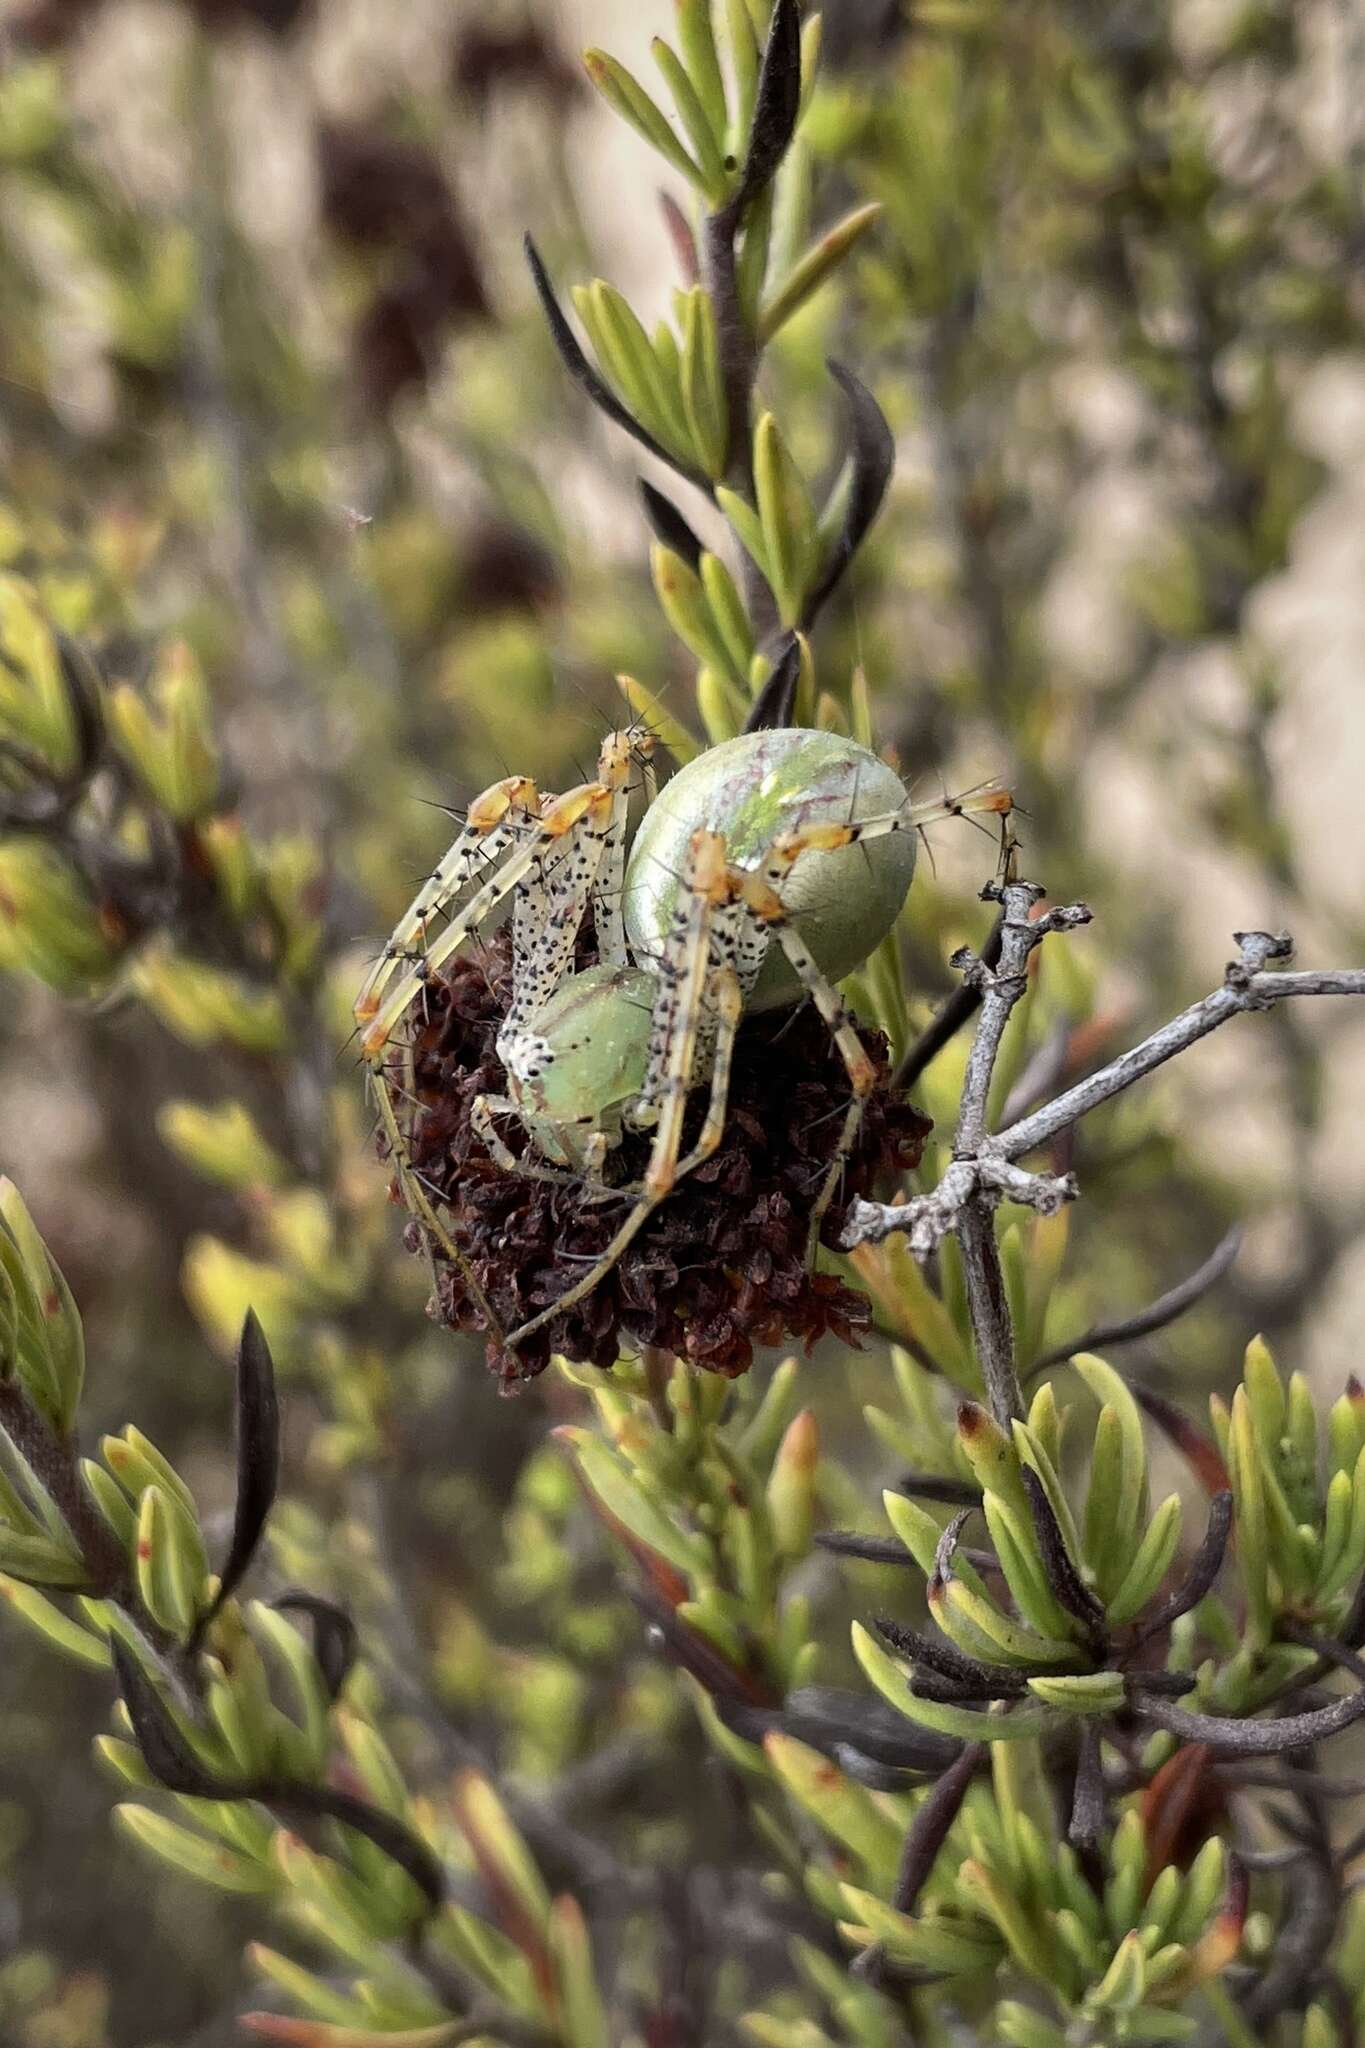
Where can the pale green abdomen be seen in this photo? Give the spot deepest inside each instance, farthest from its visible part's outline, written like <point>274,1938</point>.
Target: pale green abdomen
<point>594,1040</point>
<point>750,789</point>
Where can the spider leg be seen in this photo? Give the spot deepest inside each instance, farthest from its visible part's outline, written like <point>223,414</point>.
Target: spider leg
<point>620,751</point>
<point>765,905</point>
<point>586,866</point>
<point>688,975</point>
<point>989,797</point>
<point>482,1111</point>
<point>493,821</point>
<point>557,820</point>
<point>417,1199</point>
<point>727,1002</point>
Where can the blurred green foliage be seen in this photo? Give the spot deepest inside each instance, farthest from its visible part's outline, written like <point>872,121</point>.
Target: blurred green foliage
<point>305,536</point>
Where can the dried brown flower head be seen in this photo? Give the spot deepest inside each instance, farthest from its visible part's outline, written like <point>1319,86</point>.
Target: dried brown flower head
<point>720,1267</point>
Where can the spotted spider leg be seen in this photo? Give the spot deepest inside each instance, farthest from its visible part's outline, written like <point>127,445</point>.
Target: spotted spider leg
<point>988,798</point>
<point>492,823</point>
<point>590,802</point>
<point>608,893</point>
<point>723,940</point>
<point>557,820</point>
<point>695,994</point>
<point>552,900</point>
<point>554,896</point>
<point>417,1199</point>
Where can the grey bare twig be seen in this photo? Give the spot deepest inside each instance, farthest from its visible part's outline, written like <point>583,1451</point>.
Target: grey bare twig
<point>1001,987</point>
<point>978,1177</point>
<point>1249,985</point>
<point>984,1168</point>
<point>952,1013</point>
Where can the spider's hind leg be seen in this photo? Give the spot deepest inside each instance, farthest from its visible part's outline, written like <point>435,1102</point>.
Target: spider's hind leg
<point>417,1200</point>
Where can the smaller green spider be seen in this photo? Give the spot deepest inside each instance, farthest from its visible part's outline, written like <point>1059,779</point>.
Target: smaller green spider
<point>767,869</point>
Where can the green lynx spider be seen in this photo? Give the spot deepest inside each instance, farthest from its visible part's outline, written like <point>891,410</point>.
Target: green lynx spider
<point>800,838</point>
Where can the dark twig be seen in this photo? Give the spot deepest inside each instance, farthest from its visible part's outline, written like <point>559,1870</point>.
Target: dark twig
<point>1158,1315</point>
<point>667,524</point>
<point>1089,1803</point>
<point>873,455</point>
<point>586,377</point>
<point>1301,1942</point>
<point>1002,986</point>
<point>944,1660</point>
<point>1229,1737</point>
<point>926,1835</point>
<point>939,1486</point>
<point>930,1828</point>
<point>870,1549</point>
<point>952,1013</point>
<point>55,1464</point>
<point>1065,1580</point>
<point>1204,1569</point>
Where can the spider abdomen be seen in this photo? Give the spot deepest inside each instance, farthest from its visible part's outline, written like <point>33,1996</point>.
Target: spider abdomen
<point>750,790</point>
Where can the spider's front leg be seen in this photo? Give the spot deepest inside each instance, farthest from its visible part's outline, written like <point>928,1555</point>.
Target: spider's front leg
<point>577,870</point>
<point>620,752</point>
<point>415,1195</point>
<point>493,821</point>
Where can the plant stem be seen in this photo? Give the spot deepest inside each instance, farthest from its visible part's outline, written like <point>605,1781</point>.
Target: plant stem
<point>738,369</point>
<point>53,1462</point>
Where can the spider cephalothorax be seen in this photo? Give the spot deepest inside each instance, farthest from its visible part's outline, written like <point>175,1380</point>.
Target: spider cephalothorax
<point>607,1080</point>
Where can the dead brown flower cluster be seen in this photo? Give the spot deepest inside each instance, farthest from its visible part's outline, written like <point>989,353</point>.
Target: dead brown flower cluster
<point>720,1268</point>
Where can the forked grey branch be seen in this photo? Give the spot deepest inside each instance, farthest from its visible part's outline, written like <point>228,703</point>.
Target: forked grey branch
<point>984,1169</point>
<point>985,1165</point>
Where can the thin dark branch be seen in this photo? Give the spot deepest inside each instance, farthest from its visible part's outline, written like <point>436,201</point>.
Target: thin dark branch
<point>1158,1315</point>
<point>873,455</point>
<point>1229,1737</point>
<point>1063,1577</point>
<point>1204,1569</point>
<point>952,1013</point>
<point>1089,1801</point>
<point>587,378</point>
<point>870,1549</point>
<point>55,1464</point>
<point>931,1827</point>
<point>667,524</point>
<point>953,1493</point>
